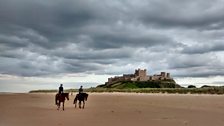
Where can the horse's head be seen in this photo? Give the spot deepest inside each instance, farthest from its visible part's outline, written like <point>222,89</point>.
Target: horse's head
<point>86,96</point>
<point>67,96</point>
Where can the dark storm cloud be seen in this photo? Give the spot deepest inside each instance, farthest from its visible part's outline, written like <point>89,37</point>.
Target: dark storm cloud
<point>199,72</point>
<point>13,41</point>
<point>190,61</point>
<point>95,54</point>
<point>205,48</point>
<point>196,65</point>
<point>44,37</point>
<point>120,40</point>
<point>188,14</point>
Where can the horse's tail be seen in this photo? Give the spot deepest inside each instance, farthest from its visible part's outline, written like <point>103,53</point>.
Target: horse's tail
<point>75,100</point>
<point>56,99</point>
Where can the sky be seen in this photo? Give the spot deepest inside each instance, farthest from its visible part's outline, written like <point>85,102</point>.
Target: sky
<point>44,43</point>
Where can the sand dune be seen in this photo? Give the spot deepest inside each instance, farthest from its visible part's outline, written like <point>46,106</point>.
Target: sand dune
<point>114,109</point>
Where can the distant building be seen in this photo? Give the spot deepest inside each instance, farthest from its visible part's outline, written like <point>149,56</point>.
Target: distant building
<point>139,75</point>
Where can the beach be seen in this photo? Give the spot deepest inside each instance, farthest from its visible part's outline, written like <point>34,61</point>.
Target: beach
<point>113,109</point>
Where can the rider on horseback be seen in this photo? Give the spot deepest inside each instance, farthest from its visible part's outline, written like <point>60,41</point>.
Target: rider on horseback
<point>81,97</point>
<point>60,91</point>
<point>80,90</point>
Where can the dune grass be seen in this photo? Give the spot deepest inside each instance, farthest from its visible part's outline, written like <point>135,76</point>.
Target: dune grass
<point>210,90</point>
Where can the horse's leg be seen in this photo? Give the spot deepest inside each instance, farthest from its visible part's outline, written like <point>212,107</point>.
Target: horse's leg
<point>75,103</point>
<point>83,104</point>
<point>58,105</point>
<point>55,99</point>
<point>80,104</point>
<point>63,106</point>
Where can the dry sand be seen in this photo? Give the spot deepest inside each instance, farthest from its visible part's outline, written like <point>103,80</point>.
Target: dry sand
<point>114,109</point>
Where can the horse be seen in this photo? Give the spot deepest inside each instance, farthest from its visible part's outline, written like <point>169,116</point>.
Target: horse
<point>82,97</point>
<point>61,98</point>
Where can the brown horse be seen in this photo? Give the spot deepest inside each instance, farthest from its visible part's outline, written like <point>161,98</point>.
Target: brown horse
<point>61,98</point>
<point>82,97</point>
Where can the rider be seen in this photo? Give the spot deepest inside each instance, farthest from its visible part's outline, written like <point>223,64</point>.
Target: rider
<point>61,89</point>
<point>80,90</point>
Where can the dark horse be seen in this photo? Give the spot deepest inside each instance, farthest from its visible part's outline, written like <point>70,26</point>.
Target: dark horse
<point>82,97</point>
<point>61,98</point>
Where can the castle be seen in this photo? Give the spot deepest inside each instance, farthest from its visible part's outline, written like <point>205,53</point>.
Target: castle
<point>139,75</point>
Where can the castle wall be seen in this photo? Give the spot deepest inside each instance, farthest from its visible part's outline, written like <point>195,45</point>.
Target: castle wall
<point>139,75</point>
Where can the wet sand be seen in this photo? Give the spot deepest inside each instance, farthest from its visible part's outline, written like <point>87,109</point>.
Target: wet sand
<point>114,109</point>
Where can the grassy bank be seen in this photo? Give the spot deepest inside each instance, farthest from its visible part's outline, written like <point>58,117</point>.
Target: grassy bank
<point>211,90</point>
<point>142,84</point>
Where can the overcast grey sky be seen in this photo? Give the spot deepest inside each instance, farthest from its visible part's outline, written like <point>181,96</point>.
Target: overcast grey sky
<point>82,42</point>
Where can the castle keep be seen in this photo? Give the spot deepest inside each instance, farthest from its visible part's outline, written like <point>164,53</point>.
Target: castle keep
<point>139,75</point>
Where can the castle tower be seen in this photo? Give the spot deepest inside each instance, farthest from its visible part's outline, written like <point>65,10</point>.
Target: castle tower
<point>140,73</point>
<point>168,75</point>
<point>163,74</point>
